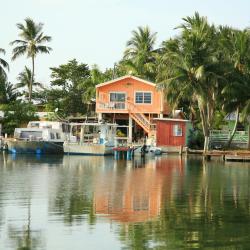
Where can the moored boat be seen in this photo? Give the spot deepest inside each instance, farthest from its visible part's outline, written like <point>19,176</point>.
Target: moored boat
<point>37,138</point>
<point>91,139</point>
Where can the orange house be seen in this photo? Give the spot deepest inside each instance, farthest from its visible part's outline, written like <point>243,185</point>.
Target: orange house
<point>131,101</point>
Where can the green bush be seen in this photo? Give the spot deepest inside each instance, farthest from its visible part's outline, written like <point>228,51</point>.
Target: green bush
<point>195,139</point>
<point>17,114</point>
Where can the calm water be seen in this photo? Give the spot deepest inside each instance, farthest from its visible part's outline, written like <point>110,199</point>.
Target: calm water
<point>98,203</point>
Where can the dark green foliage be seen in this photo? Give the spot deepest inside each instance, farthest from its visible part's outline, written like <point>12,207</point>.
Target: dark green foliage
<point>195,139</point>
<point>139,57</point>
<point>8,93</point>
<point>3,64</point>
<point>17,114</point>
<point>67,88</point>
<point>23,84</point>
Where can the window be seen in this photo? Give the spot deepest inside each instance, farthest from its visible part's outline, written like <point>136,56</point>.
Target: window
<point>34,125</point>
<point>52,136</point>
<point>58,137</point>
<point>143,97</point>
<point>117,97</point>
<point>31,134</point>
<point>177,130</point>
<point>117,100</point>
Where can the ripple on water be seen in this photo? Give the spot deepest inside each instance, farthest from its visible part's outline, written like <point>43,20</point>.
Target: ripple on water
<point>165,202</point>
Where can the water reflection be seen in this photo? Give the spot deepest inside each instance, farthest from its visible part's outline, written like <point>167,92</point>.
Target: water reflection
<point>160,203</point>
<point>25,238</point>
<point>136,193</point>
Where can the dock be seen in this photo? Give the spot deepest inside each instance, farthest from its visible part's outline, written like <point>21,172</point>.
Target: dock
<point>123,152</point>
<point>237,158</point>
<point>227,155</point>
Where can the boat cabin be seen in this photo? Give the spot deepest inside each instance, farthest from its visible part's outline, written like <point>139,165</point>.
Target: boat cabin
<point>39,134</point>
<point>49,124</point>
<point>92,133</point>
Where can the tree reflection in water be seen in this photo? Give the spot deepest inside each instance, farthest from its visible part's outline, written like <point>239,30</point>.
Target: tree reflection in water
<point>72,195</point>
<point>22,237</point>
<point>26,238</point>
<point>201,211</point>
<point>160,203</point>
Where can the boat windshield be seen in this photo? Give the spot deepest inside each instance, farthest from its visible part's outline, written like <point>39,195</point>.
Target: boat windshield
<point>31,134</point>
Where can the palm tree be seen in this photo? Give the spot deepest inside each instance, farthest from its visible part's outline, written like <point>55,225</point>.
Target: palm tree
<point>88,86</point>
<point>24,80</point>
<point>192,69</point>
<point>31,44</point>
<point>3,64</point>
<point>138,57</point>
<point>8,92</point>
<point>236,46</point>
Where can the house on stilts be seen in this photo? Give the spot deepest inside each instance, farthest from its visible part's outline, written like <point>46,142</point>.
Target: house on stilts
<point>132,102</point>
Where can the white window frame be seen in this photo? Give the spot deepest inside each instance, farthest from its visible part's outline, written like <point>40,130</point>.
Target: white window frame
<point>177,130</point>
<point>117,92</point>
<point>142,103</point>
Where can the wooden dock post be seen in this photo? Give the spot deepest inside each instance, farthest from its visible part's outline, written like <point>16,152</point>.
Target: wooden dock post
<point>180,150</point>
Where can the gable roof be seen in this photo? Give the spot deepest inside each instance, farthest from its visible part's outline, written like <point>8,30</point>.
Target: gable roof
<point>124,77</point>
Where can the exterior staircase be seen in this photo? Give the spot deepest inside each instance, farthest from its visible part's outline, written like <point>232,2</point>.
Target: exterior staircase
<point>141,120</point>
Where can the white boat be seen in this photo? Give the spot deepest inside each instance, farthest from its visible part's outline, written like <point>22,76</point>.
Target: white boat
<point>147,150</point>
<point>90,139</point>
<point>39,137</point>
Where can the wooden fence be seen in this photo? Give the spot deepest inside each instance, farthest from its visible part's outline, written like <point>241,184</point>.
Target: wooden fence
<point>220,138</point>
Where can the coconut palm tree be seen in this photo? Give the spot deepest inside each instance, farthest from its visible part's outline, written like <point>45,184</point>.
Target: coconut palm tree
<point>3,64</point>
<point>193,69</point>
<point>8,92</point>
<point>24,80</point>
<point>31,43</point>
<point>236,93</point>
<point>138,57</point>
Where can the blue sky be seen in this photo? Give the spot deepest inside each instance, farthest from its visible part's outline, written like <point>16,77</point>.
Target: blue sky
<point>95,32</point>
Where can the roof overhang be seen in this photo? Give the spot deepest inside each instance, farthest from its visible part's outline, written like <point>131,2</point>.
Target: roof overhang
<point>124,77</point>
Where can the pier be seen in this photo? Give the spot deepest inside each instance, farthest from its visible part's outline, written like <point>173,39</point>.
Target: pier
<point>233,155</point>
<point>123,152</point>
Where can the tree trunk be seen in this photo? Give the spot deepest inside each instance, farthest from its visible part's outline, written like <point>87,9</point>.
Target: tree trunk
<point>234,129</point>
<point>32,78</point>
<point>248,144</point>
<point>205,126</point>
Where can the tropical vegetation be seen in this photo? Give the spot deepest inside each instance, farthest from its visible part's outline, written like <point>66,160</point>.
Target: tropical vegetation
<point>204,69</point>
<point>31,43</point>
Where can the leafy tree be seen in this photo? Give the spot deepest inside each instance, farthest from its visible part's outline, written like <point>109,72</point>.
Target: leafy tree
<point>67,92</point>
<point>3,64</point>
<point>31,43</point>
<point>139,56</point>
<point>17,114</point>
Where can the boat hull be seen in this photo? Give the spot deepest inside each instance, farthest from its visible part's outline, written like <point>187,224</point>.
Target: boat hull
<point>35,147</point>
<point>87,149</point>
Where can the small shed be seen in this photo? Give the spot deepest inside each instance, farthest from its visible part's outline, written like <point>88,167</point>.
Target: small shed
<point>172,132</point>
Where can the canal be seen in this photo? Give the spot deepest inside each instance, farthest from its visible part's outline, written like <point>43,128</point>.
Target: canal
<point>167,202</point>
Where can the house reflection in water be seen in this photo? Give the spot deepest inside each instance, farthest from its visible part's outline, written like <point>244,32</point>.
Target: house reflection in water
<point>137,194</point>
